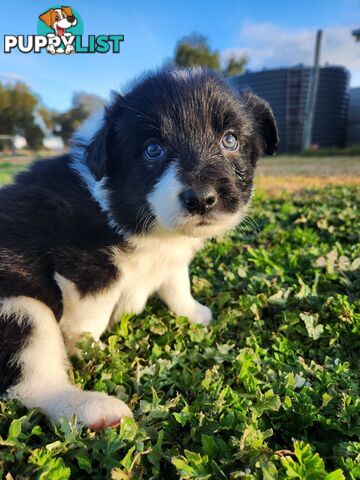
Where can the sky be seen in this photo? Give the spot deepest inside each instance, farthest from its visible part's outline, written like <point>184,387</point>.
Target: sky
<point>272,33</point>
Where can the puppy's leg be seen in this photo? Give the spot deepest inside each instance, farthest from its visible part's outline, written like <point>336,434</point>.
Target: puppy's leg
<point>176,293</point>
<point>33,365</point>
<point>89,313</point>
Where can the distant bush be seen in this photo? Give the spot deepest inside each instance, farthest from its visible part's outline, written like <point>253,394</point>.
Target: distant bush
<point>332,151</point>
<point>194,49</point>
<point>19,115</point>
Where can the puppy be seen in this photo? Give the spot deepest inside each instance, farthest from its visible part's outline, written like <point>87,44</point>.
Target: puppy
<point>116,220</point>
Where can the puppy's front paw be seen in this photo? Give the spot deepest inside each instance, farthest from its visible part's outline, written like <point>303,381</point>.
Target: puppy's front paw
<point>201,315</point>
<point>97,410</point>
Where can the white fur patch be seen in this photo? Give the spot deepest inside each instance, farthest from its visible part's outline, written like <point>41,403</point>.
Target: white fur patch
<point>46,344</point>
<point>185,74</point>
<point>166,206</point>
<point>90,127</point>
<point>176,292</point>
<point>222,224</point>
<point>44,383</point>
<point>164,199</point>
<point>158,263</point>
<point>90,313</point>
<point>97,189</point>
<point>146,269</point>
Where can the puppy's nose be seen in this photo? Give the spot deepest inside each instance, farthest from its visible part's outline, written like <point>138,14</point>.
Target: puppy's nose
<point>198,202</point>
<point>71,18</point>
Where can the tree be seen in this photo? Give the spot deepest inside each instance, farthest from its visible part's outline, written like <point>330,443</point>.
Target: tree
<point>47,117</point>
<point>235,65</point>
<point>88,101</point>
<point>18,110</point>
<point>66,123</point>
<point>34,136</point>
<point>194,49</point>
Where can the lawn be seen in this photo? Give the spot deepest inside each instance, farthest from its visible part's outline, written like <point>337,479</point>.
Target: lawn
<point>270,391</point>
<point>8,170</point>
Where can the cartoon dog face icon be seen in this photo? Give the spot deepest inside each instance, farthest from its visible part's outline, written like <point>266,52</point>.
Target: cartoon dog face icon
<point>59,19</point>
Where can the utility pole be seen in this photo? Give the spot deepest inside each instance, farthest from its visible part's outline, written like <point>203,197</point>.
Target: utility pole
<point>312,93</point>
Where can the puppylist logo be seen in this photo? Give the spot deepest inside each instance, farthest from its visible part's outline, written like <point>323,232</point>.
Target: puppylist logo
<point>60,31</point>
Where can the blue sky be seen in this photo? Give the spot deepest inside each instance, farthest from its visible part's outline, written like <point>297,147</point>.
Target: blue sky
<point>271,32</point>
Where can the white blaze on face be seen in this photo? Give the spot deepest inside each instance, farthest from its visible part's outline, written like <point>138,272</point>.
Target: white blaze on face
<point>164,199</point>
<point>165,204</point>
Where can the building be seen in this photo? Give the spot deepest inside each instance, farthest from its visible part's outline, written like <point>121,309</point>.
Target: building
<point>286,89</point>
<point>353,120</point>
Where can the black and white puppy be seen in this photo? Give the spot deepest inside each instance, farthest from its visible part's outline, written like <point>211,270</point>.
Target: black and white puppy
<point>116,220</point>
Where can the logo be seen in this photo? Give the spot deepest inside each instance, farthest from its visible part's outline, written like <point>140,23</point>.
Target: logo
<point>60,31</point>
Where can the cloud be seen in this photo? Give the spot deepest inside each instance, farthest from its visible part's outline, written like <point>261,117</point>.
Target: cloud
<point>269,45</point>
<point>11,77</point>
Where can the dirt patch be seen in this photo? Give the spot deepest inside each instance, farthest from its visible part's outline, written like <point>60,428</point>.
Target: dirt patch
<point>276,184</point>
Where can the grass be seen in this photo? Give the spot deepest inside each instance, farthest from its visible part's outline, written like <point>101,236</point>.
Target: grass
<point>8,170</point>
<point>270,391</point>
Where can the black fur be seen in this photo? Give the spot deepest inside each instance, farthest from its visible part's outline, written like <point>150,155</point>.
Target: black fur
<point>264,121</point>
<point>12,339</point>
<point>188,113</point>
<point>49,221</point>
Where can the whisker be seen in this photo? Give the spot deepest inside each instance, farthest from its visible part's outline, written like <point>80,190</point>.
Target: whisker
<point>141,215</point>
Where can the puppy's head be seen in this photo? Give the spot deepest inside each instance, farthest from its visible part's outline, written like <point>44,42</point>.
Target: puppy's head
<point>179,153</point>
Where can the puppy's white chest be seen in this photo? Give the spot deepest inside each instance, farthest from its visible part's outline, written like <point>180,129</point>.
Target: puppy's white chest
<point>141,273</point>
<point>144,270</point>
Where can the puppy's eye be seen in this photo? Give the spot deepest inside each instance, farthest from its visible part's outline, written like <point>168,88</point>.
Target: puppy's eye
<point>154,150</point>
<point>57,17</point>
<point>229,142</point>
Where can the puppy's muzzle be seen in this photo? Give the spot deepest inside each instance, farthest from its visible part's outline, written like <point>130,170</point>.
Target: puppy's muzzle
<point>198,201</point>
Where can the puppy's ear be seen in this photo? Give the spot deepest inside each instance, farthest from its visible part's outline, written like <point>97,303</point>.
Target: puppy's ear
<point>67,10</point>
<point>100,145</point>
<point>264,121</point>
<point>46,17</point>
<point>97,152</point>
